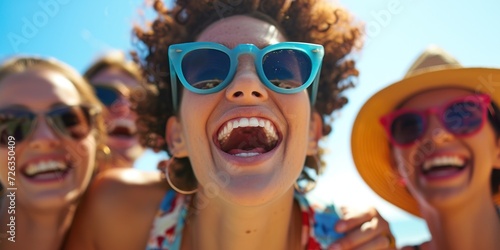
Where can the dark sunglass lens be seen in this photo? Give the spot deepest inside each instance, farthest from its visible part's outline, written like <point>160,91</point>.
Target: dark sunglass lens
<point>107,96</point>
<point>15,123</point>
<point>72,121</point>
<point>464,117</point>
<point>287,68</point>
<point>205,68</point>
<point>407,128</point>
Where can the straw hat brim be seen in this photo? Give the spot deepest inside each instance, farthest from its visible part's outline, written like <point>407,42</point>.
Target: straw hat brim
<point>370,145</point>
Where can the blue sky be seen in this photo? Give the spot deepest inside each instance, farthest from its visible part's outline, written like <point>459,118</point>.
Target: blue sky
<point>77,32</point>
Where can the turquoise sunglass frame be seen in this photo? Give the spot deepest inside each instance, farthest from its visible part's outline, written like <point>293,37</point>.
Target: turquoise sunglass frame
<point>176,53</point>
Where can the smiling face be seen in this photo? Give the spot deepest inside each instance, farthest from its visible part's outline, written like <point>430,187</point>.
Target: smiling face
<point>442,169</point>
<point>246,143</point>
<point>50,170</point>
<point>120,119</point>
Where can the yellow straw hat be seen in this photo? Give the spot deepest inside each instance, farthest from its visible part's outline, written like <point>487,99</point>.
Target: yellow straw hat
<point>369,143</point>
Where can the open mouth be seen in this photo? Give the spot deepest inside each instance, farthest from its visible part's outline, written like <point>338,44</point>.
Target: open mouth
<point>46,170</point>
<point>247,137</point>
<point>443,166</point>
<point>122,128</point>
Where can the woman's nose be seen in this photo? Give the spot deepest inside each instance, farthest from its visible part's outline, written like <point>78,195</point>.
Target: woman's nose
<point>246,86</point>
<point>121,107</point>
<point>43,136</point>
<point>437,132</point>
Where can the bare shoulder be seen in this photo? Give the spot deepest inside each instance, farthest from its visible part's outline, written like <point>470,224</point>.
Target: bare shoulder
<point>116,198</point>
<point>407,248</point>
<point>127,180</point>
<point>131,186</point>
<point>423,246</point>
<point>129,176</point>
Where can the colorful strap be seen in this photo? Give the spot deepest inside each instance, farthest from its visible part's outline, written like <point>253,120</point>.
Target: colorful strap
<point>322,233</point>
<point>166,233</point>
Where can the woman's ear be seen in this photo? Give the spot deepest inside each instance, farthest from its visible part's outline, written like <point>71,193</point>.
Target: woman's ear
<point>175,138</point>
<point>496,162</point>
<point>315,133</point>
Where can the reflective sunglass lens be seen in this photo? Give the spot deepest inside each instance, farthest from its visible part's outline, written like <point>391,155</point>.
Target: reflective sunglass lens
<point>72,121</point>
<point>107,96</point>
<point>287,68</point>
<point>407,128</point>
<point>464,117</point>
<point>16,124</point>
<point>205,68</point>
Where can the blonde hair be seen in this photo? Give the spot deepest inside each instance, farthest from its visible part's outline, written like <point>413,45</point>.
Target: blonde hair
<point>18,65</point>
<point>114,60</point>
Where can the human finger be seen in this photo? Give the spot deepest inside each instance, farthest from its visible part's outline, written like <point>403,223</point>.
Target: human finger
<point>366,229</point>
<point>385,241</point>
<point>353,219</point>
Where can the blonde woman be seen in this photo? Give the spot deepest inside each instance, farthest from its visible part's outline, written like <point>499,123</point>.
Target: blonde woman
<point>51,130</point>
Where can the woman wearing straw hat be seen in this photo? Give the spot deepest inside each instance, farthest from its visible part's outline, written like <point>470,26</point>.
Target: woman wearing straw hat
<point>430,144</point>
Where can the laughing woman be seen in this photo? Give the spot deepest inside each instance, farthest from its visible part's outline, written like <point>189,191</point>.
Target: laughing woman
<point>430,144</point>
<point>242,106</point>
<point>50,130</point>
<point>115,81</point>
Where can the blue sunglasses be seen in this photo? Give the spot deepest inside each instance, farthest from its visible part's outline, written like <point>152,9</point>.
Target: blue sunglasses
<point>207,67</point>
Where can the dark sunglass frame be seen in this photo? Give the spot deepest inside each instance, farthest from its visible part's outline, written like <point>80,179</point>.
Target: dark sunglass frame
<point>113,90</point>
<point>481,101</point>
<point>177,52</point>
<point>89,111</point>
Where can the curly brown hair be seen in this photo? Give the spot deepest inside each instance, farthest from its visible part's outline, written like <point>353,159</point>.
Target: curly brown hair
<point>312,21</point>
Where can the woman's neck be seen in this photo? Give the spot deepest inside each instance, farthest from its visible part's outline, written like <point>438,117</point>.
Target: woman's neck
<point>223,226</point>
<point>472,225</point>
<point>37,229</point>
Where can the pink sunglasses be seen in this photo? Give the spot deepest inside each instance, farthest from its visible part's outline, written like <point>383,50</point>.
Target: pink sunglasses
<point>462,117</point>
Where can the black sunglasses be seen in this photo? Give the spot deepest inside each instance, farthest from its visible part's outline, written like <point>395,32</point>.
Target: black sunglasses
<point>107,94</point>
<point>74,122</point>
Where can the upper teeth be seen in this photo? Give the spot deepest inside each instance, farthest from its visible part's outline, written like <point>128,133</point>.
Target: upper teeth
<point>127,123</point>
<point>444,161</point>
<point>268,126</point>
<point>45,166</point>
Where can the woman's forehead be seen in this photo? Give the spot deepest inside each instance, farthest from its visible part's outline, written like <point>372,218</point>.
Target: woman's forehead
<point>241,29</point>
<point>40,87</point>
<point>434,97</point>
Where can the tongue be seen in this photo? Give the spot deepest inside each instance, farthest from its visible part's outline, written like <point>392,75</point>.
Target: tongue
<point>442,171</point>
<point>239,151</point>
<point>120,132</point>
<point>247,140</point>
<point>51,175</point>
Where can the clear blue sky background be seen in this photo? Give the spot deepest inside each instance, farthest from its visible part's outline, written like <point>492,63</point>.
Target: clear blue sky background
<point>77,32</point>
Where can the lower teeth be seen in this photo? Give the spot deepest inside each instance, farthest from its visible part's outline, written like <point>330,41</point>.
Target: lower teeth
<point>246,154</point>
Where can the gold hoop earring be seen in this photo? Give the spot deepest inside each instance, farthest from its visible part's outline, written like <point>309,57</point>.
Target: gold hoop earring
<point>103,154</point>
<point>167,176</point>
<point>102,158</point>
<point>313,163</point>
<point>305,188</point>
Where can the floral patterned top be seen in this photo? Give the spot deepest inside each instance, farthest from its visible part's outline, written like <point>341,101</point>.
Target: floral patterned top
<point>166,233</point>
